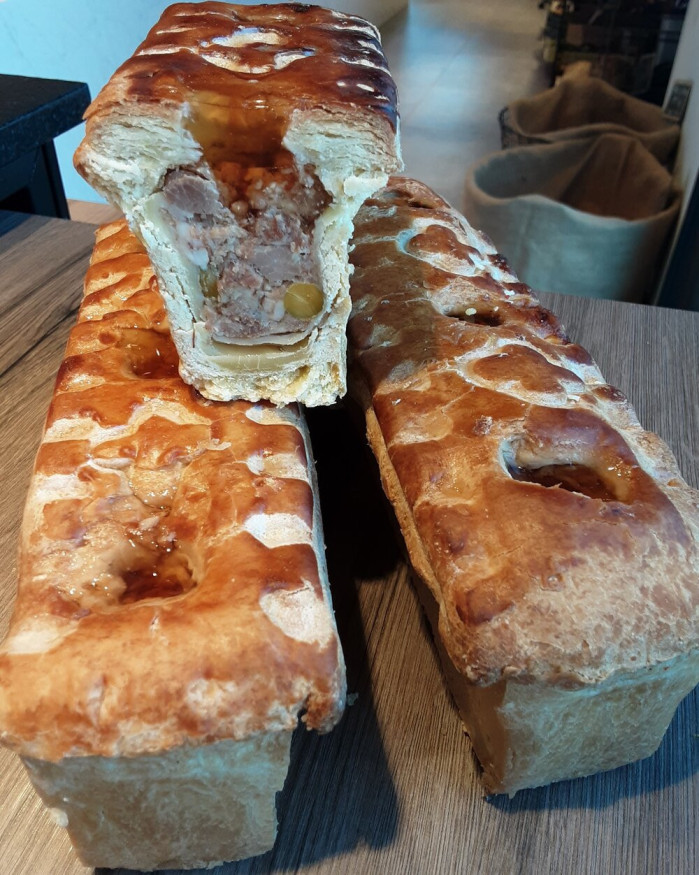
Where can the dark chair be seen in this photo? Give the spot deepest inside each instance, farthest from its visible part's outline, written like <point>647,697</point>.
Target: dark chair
<point>32,113</point>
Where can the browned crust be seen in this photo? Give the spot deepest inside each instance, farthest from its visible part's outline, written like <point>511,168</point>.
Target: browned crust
<point>534,583</point>
<point>235,635</point>
<point>341,58</point>
<point>262,63</point>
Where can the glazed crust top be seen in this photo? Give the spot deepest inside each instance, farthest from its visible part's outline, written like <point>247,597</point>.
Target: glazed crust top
<point>258,65</point>
<point>172,579</point>
<point>559,537</point>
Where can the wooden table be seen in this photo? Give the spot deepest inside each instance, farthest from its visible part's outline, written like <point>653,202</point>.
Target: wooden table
<point>394,788</point>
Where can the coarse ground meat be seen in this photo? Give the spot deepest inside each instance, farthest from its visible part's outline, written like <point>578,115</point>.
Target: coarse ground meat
<point>249,230</point>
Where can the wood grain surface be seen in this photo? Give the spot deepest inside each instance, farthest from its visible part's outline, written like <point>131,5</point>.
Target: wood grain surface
<point>394,789</point>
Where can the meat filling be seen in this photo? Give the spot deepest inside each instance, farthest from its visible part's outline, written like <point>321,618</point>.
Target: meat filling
<point>249,231</point>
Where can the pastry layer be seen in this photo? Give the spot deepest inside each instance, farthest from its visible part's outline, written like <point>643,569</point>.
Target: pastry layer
<point>186,808</point>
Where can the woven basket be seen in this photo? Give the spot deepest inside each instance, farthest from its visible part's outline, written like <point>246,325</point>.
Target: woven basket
<point>587,108</point>
<point>509,137</point>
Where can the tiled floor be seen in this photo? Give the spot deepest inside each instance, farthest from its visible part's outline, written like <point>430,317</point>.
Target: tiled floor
<point>457,63</point>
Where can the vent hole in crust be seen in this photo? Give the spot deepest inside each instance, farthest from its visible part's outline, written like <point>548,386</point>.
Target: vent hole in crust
<point>571,477</point>
<point>418,203</point>
<point>159,574</point>
<point>491,318</point>
<point>149,355</point>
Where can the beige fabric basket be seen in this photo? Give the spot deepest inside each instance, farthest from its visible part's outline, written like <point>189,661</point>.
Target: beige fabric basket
<point>583,108</point>
<point>584,217</point>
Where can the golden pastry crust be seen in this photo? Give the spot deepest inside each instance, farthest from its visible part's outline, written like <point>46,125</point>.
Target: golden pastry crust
<point>265,62</point>
<point>173,588</point>
<point>217,87</point>
<point>556,537</point>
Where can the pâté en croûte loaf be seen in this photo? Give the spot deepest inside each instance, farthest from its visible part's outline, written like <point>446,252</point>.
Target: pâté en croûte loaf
<point>555,541</point>
<point>173,620</point>
<point>240,141</point>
